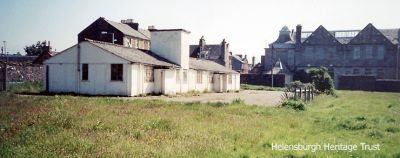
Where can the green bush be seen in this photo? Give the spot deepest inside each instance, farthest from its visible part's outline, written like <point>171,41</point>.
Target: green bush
<point>238,101</point>
<point>322,81</point>
<point>294,104</point>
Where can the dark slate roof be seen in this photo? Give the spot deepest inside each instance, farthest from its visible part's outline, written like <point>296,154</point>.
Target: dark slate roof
<point>17,58</point>
<point>127,30</point>
<point>133,54</point>
<point>237,58</point>
<point>215,51</point>
<point>201,64</point>
<point>391,34</point>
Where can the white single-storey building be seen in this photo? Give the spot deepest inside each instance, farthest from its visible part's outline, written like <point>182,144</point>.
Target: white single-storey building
<point>99,68</point>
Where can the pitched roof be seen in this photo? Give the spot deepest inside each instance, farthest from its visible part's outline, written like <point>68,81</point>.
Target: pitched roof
<point>201,64</point>
<point>238,58</point>
<point>134,55</point>
<point>127,30</point>
<point>145,32</point>
<point>214,51</point>
<point>391,34</point>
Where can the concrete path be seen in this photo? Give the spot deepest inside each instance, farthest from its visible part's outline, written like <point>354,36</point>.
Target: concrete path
<point>250,97</point>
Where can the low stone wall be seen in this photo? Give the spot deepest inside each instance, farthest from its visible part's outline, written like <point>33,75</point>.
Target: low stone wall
<point>262,79</point>
<point>22,72</point>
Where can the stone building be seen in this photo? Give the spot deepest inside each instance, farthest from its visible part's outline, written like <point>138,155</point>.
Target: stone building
<point>218,53</point>
<point>366,52</point>
<point>240,64</point>
<point>126,33</point>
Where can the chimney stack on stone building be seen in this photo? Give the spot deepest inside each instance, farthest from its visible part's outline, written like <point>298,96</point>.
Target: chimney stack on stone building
<point>131,23</point>
<point>253,61</point>
<point>298,36</point>
<point>226,54</point>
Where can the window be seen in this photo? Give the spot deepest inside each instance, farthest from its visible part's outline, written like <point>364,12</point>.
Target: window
<point>230,78</point>
<point>85,72</point>
<point>116,72</point>
<point>368,71</point>
<point>149,74</point>
<point>356,71</point>
<point>199,77</point>
<point>137,43</point>
<point>319,53</point>
<point>368,52</point>
<point>210,78</point>
<point>184,76</point>
<point>178,77</point>
<point>381,52</point>
<point>356,52</point>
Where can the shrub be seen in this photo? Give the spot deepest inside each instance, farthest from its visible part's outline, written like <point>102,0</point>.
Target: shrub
<point>353,125</point>
<point>238,101</point>
<point>322,81</point>
<point>319,77</point>
<point>392,129</point>
<point>294,104</point>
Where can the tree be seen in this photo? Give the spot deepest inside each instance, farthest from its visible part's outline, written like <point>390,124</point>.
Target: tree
<point>322,81</point>
<point>35,49</point>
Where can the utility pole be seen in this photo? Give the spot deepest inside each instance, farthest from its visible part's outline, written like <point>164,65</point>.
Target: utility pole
<point>5,67</point>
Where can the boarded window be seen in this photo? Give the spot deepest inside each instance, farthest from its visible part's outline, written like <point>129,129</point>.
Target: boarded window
<point>210,78</point>
<point>178,76</point>
<point>199,77</point>
<point>116,72</point>
<point>184,76</point>
<point>149,74</point>
<point>368,52</point>
<point>85,72</point>
<point>381,52</point>
<point>356,52</point>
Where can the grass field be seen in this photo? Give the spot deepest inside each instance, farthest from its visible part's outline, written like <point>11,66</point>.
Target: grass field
<point>73,126</point>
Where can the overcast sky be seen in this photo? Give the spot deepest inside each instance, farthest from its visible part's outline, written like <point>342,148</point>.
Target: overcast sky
<point>247,25</point>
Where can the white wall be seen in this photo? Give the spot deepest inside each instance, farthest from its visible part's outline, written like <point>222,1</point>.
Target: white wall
<point>172,45</point>
<point>62,71</point>
<point>64,76</point>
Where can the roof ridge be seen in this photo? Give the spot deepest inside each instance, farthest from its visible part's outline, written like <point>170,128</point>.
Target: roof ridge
<point>108,43</point>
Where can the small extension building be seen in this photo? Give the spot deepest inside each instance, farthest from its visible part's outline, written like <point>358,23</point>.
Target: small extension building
<point>102,68</point>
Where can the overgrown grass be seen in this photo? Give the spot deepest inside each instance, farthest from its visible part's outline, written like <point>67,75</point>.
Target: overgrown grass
<point>26,87</point>
<point>258,87</point>
<point>73,126</point>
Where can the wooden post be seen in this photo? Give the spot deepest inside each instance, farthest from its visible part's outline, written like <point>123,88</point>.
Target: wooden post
<point>300,95</point>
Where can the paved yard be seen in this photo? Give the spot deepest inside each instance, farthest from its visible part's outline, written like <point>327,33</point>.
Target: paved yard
<point>250,97</point>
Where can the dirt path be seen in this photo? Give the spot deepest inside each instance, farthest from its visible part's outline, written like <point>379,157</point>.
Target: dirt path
<point>250,97</point>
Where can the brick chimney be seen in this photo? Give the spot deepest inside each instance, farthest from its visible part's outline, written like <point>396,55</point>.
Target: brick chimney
<point>131,23</point>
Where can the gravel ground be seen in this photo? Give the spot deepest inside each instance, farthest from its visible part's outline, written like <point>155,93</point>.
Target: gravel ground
<point>250,97</point>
